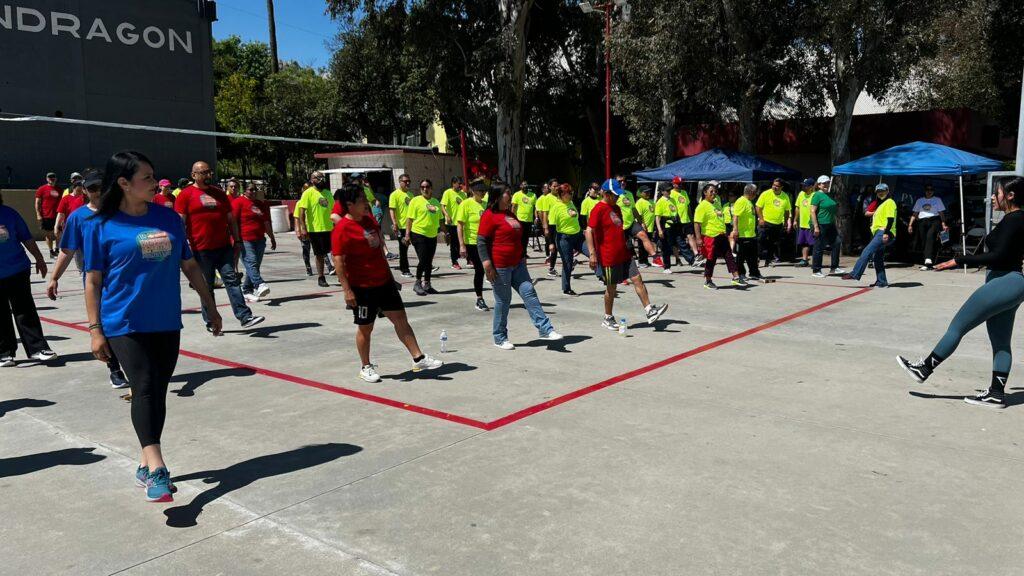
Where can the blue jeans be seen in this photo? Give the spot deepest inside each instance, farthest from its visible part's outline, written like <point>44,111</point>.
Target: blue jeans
<point>252,259</point>
<point>874,251</point>
<point>567,244</point>
<point>519,278</point>
<point>223,260</point>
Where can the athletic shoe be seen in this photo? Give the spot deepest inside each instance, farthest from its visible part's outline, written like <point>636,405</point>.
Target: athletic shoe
<point>988,400</point>
<point>551,272</point>
<point>654,311</point>
<point>610,323</point>
<point>837,271</point>
<point>330,269</point>
<point>801,264</point>
<point>481,305</point>
<point>253,321</point>
<point>117,380</point>
<point>658,261</point>
<point>505,345</point>
<point>392,256</point>
<point>666,271</point>
<point>551,336</point>
<point>142,472</point>
<point>918,370</point>
<point>818,274</point>
<point>775,262</point>
<point>309,270</point>
<point>418,289</point>
<point>848,277</point>
<point>435,269</point>
<point>44,355</point>
<point>407,274</point>
<point>925,268</point>
<point>699,262</point>
<point>250,297</point>
<point>158,486</point>
<point>456,266</point>
<point>322,282</point>
<point>738,282</point>
<point>427,363</point>
<point>928,262</point>
<point>570,293</point>
<point>7,362</point>
<point>369,374</point>
<point>429,289</point>
<point>710,285</point>
<point>262,290</point>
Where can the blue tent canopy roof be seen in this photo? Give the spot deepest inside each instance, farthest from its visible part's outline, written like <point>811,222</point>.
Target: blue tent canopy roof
<point>719,164</point>
<point>919,159</point>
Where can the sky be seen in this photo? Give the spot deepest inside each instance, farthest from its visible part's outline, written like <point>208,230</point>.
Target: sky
<point>303,30</point>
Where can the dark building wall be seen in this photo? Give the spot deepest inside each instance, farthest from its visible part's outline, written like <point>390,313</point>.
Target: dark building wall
<point>121,69</point>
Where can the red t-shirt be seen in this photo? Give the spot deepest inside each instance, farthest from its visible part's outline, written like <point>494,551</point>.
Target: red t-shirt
<point>50,197</point>
<point>206,217</point>
<point>610,240</point>
<point>338,209</point>
<point>70,203</point>
<point>505,234</point>
<point>359,242</point>
<point>252,216</point>
<point>162,199</point>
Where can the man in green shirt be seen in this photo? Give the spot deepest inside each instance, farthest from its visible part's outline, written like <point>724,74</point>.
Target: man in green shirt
<point>883,234</point>
<point>524,205</point>
<point>823,220</point>
<point>744,233</point>
<point>589,201</point>
<point>398,201</point>
<point>774,212</point>
<point>314,222</point>
<point>549,195</point>
<point>450,200</point>
<point>685,232</point>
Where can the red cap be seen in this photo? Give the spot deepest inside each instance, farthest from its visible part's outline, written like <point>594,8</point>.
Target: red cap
<point>677,180</point>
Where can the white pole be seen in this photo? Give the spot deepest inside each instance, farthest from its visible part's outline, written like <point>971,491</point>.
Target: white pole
<point>1020,136</point>
<point>963,234</point>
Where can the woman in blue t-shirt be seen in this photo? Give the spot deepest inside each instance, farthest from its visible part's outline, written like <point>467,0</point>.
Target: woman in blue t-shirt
<point>133,251</point>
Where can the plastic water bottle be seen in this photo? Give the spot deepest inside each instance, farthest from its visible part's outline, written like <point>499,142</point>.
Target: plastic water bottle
<point>444,341</point>
<point>622,326</point>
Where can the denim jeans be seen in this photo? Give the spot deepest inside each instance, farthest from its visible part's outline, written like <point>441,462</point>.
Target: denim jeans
<point>829,234</point>
<point>223,260</point>
<point>518,278</point>
<point>252,259</point>
<point>567,245</point>
<point>873,252</point>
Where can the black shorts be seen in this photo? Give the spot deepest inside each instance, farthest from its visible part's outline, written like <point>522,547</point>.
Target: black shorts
<point>634,230</point>
<point>613,275</point>
<point>320,242</point>
<point>687,228</point>
<point>372,303</point>
<point>47,224</point>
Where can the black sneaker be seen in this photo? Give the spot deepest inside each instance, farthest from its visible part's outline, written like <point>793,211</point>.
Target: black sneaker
<point>429,289</point>
<point>418,289</point>
<point>710,285</point>
<point>551,272</point>
<point>309,270</point>
<point>988,399</point>
<point>918,370</point>
<point>481,305</point>
<point>253,321</point>
<point>117,380</point>
<point>570,293</point>
<point>322,282</point>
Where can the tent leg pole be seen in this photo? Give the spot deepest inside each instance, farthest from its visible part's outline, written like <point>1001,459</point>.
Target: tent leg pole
<point>963,224</point>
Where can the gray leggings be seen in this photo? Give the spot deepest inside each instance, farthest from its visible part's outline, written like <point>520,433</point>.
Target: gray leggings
<point>995,304</point>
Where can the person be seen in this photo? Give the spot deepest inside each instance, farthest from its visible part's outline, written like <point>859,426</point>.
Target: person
<point>68,204</point>
<point>47,197</point>
<point>524,204</point>
<point>684,234</point>
<point>610,257</point>
<point>744,229</point>
<point>314,221</point>
<point>371,291</point>
<point>805,238</point>
<point>16,301</point>
<point>182,184</point>
<point>549,196</point>
<point>422,221</point>
<point>730,200</point>
<point>645,216</point>
<point>670,230</point>
<point>709,229</point>
<point>883,233</point>
<point>565,219</point>
<point>253,217</point>
<point>450,200</point>
<point>774,212</point>
<point>500,242</point>
<point>589,201</point>
<point>468,220</point>
<point>133,253</point>
<point>398,203</point>
<point>211,227</point>
<point>823,217</point>
<point>995,303</point>
<point>233,189</point>
<point>165,195</point>
<point>635,233</point>
<point>930,214</point>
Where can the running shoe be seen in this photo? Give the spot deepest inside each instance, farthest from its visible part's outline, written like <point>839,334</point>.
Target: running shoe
<point>330,269</point>
<point>801,264</point>
<point>322,282</point>
<point>775,262</point>
<point>923,268</point>
<point>610,323</point>
<point>666,271</point>
<point>654,311</point>
<point>552,336</point>
<point>918,370</point>
<point>818,274</point>
<point>392,256</point>
<point>369,373</point>
<point>253,321</point>
<point>262,290</point>
<point>837,271</point>
<point>879,285</point>
<point>406,274</point>
<point>7,362</point>
<point>418,289</point>
<point>988,400</point>
<point>699,262</point>
<point>427,363</point>
<point>435,269</point>
<point>481,305</point>
<point>848,277</point>
<point>551,272</point>
<point>429,289</point>
<point>250,297</point>
<point>570,293</point>
<point>456,266</point>
<point>710,285</point>
<point>44,355</point>
<point>505,345</point>
<point>738,282</point>
<point>158,486</point>
<point>309,270</point>
<point>658,261</point>
<point>118,380</point>
<point>142,472</point>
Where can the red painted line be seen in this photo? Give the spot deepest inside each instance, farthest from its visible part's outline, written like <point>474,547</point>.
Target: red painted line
<point>526,412</point>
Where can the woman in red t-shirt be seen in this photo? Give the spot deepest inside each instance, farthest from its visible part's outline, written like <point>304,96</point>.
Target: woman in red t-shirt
<point>499,241</point>
<point>370,290</point>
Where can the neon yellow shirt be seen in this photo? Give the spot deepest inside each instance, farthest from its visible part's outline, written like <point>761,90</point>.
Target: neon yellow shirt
<point>885,210</point>
<point>710,219</point>
<point>369,195</point>
<point>803,203</point>
<point>525,203</point>
<point>468,215</point>
<point>399,202</point>
<point>425,215</point>
<point>626,204</point>
<point>317,204</point>
<point>646,211</point>
<point>774,207</point>
<point>746,218</point>
<point>727,213</point>
<point>451,200</point>
<point>564,217</point>
<point>543,204</point>
<point>682,201</point>
<point>588,204</point>
<point>668,210</point>
<point>176,192</point>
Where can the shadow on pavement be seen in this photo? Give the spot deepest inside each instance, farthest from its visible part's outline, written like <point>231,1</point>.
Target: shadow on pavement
<point>20,465</point>
<point>64,360</point>
<point>439,374</point>
<point>19,403</point>
<point>245,473</point>
<point>1010,399</point>
<point>269,331</point>
<point>298,298</point>
<point>196,379</point>
<point>556,346</point>
<point>905,285</point>
<point>659,325</point>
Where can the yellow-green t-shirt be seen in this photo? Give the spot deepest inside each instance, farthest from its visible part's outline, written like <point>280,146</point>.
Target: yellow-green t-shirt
<point>682,200</point>
<point>646,211</point>
<point>425,215</point>
<point>451,200</point>
<point>668,210</point>
<point>588,204</point>
<point>317,204</point>
<point>564,217</point>
<point>885,210</point>
<point>525,203</point>
<point>176,192</point>
<point>710,219</point>
<point>746,218</point>
<point>369,195</point>
<point>399,202</point>
<point>803,203</point>
<point>774,207</point>
<point>543,204</point>
<point>626,204</point>
<point>727,213</point>
<point>468,214</point>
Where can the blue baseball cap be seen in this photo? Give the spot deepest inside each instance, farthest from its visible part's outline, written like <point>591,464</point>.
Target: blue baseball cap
<point>612,185</point>
<point>808,182</point>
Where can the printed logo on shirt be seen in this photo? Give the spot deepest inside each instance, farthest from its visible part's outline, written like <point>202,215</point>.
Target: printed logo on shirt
<point>322,202</point>
<point>154,245</point>
<point>54,194</point>
<point>207,201</point>
<point>513,222</point>
<point>615,218</point>
<point>371,238</point>
<point>431,208</point>
<point>672,208</point>
<point>777,203</point>
<point>572,213</point>
<point>927,207</point>
<point>256,210</point>
<point>626,202</point>
<point>4,234</point>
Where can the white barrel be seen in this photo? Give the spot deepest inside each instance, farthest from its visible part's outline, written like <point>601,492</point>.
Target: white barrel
<point>279,220</point>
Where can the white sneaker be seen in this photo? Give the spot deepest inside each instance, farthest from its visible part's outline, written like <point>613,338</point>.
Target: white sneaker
<point>44,355</point>
<point>928,262</point>
<point>427,363</point>
<point>838,271</point>
<point>251,297</point>
<point>818,274</point>
<point>6,362</point>
<point>262,290</point>
<point>924,268</point>
<point>369,373</point>
<point>506,345</point>
<point>551,336</point>
<point>666,271</point>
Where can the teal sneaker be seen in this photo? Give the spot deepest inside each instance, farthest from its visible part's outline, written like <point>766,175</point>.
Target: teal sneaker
<point>142,472</point>
<point>158,487</point>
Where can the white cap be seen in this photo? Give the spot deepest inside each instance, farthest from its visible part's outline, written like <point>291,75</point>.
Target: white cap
<point>824,179</point>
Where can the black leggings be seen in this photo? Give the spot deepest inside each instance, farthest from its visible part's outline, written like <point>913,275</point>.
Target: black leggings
<point>478,269</point>
<point>453,242</point>
<point>148,360</point>
<point>425,248</point>
<point>305,251</point>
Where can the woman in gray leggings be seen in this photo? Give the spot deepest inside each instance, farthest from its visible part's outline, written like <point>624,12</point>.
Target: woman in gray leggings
<point>995,303</point>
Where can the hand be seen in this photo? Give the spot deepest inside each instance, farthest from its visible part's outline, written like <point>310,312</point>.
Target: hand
<point>273,244</point>
<point>238,248</point>
<point>350,299</point>
<point>100,347</point>
<point>490,272</point>
<point>51,289</point>
<point>593,261</point>
<point>760,222</point>
<point>910,229</point>
<point>216,323</point>
<point>41,268</point>
<point>407,240</point>
<point>733,235</point>
<point>886,237</point>
<point>946,265</point>
<point>463,253</point>
<point>302,234</point>
<point>817,232</point>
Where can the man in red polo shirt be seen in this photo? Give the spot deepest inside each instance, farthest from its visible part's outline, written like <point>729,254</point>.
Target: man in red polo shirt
<point>611,258</point>
<point>211,226</point>
<point>47,197</point>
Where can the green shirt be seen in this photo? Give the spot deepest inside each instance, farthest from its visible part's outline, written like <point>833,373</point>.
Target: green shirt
<point>803,204</point>
<point>826,207</point>
<point>885,210</point>
<point>682,200</point>
<point>468,215</point>
<point>425,215</point>
<point>451,200</point>
<point>369,195</point>
<point>668,210</point>
<point>710,219</point>
<point>588,205</point>
<point>543,204</point>
<point>525,203</point>
<point>317,204</point>
<point>727,213</point>
<point>399,202</point>
<point>746,218</point>
<point>646,211</point>
<point>565,218</point>
<point>626,203</point>
<point>774,207</point>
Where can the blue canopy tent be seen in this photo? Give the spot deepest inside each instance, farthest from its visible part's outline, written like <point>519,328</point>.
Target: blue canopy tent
<point>922,159</point>
<point>721,165</point>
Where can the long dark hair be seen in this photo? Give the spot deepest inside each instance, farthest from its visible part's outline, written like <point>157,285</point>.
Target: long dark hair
<point>1016,186</point>
<point>123,164</point>
<point>494,198</point>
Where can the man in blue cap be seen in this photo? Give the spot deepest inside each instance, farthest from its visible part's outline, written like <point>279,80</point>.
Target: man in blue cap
<point>883,234</point>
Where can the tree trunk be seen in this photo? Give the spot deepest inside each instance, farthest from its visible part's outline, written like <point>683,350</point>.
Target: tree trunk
<point>847,91</point>
<point>667,150</point>
<point>515,15</point>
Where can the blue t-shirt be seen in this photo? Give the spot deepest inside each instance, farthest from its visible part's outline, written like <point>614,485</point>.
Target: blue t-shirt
<point>74,228</point>
<point>13,231</point>
<point>140,258</point>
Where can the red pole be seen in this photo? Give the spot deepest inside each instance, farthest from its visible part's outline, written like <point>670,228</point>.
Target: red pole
<point>465,161</point>
<point>608,91</point>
